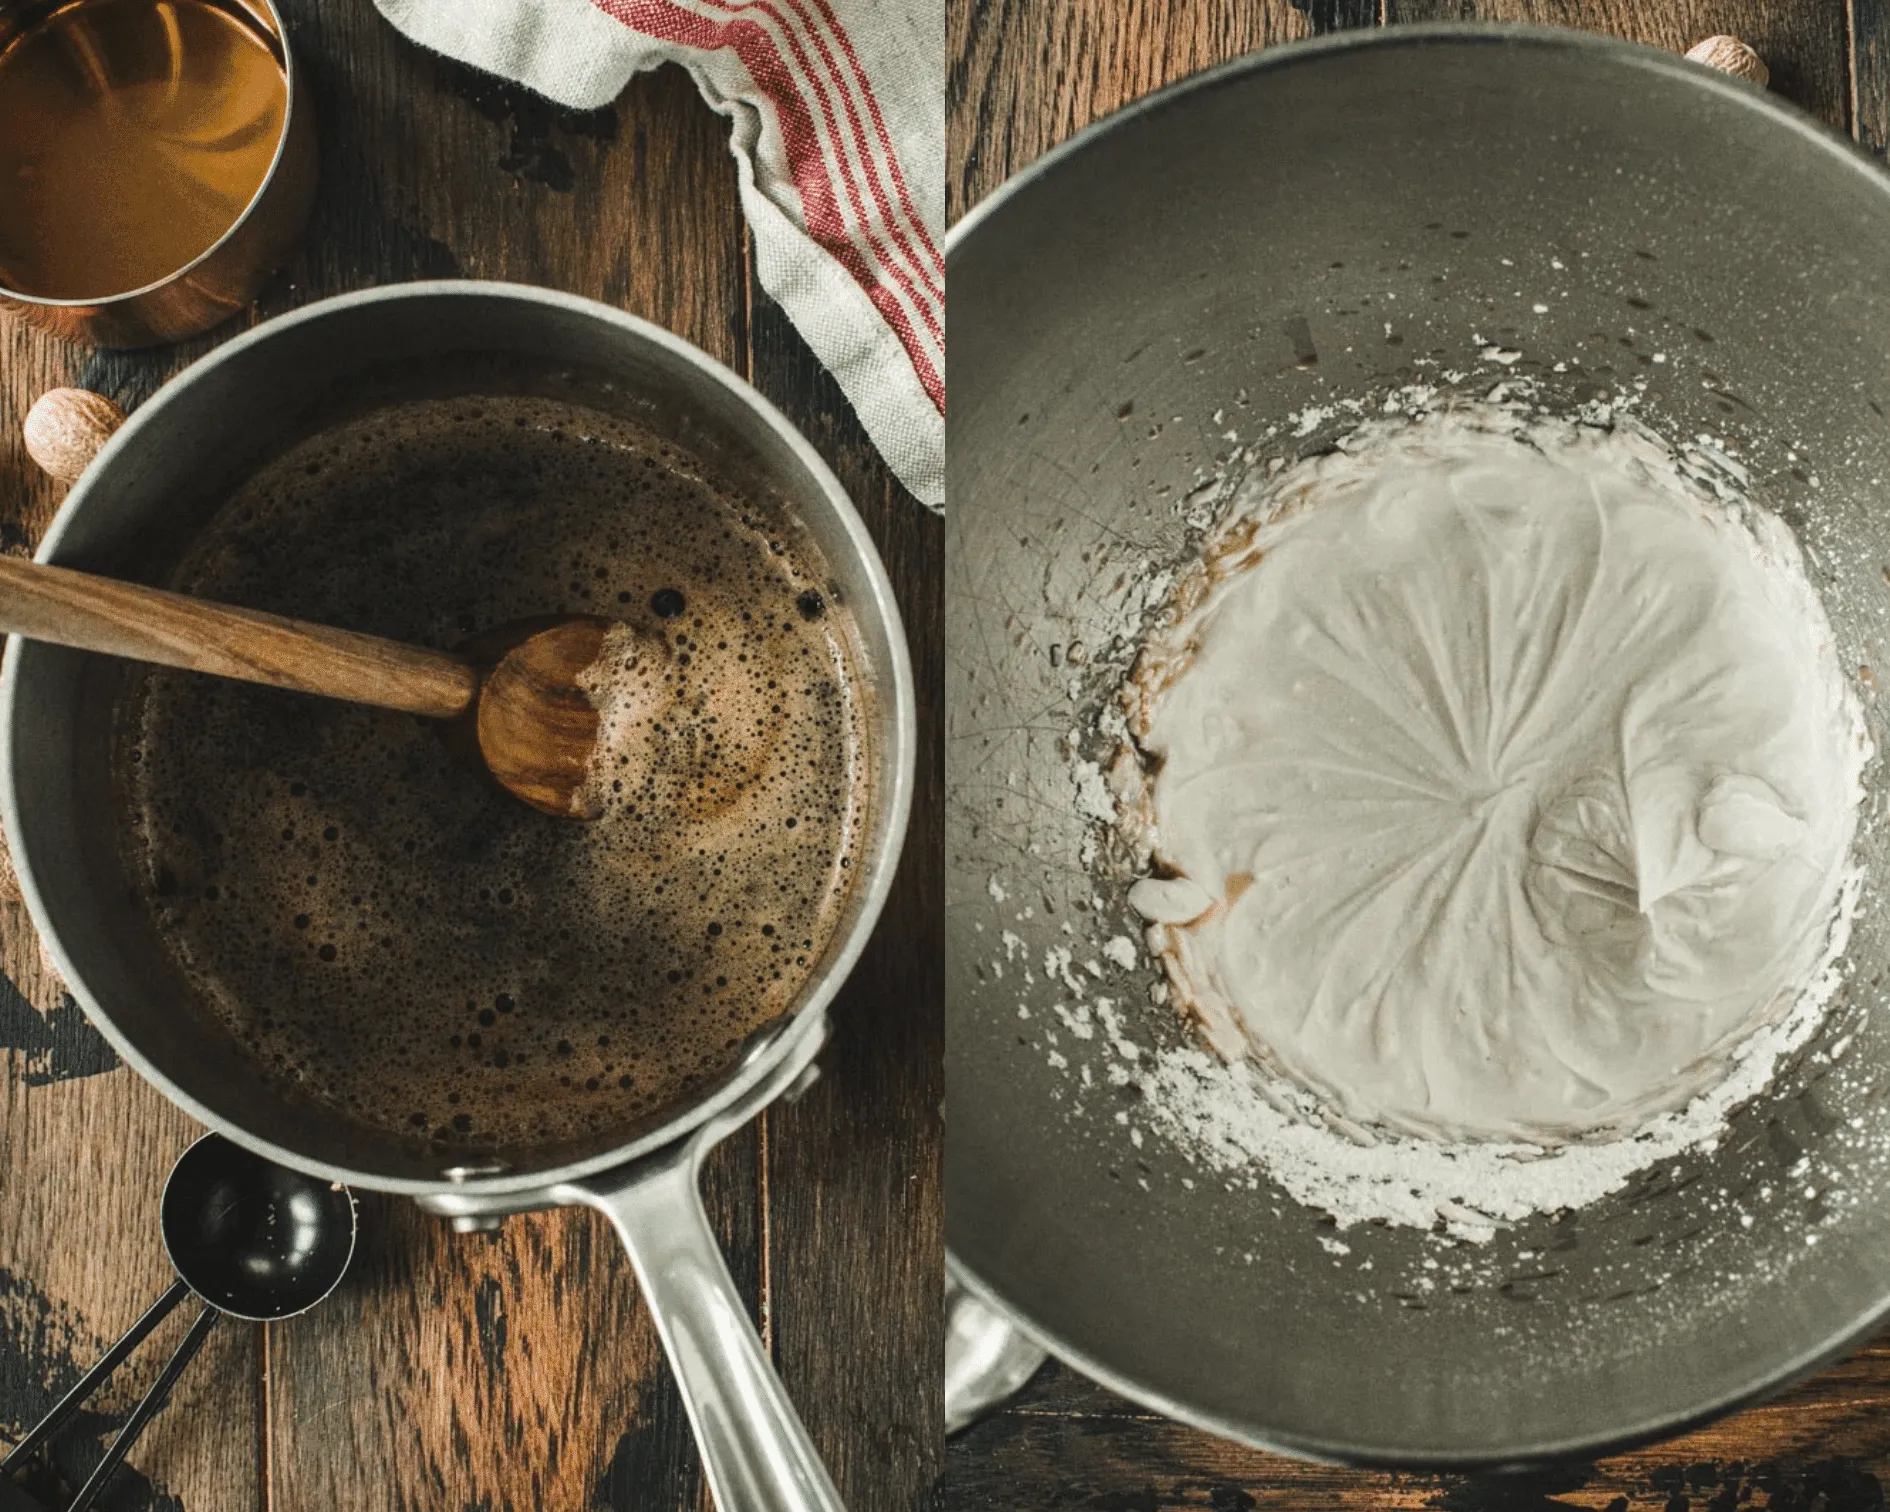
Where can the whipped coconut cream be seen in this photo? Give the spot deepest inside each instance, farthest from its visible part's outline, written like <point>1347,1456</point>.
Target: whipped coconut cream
<point>1497,782</point>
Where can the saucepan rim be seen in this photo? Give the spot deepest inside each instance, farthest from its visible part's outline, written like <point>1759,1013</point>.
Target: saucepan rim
<point>892,685</point>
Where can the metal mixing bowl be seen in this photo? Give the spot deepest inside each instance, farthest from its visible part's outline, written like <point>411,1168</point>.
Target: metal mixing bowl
<point>1319,224</point>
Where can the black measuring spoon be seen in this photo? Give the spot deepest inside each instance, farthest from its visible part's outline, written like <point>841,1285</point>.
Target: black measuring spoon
<point>252,1239</point>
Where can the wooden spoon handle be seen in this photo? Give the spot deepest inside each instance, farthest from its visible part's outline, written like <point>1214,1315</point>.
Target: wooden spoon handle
<point>147,624</point>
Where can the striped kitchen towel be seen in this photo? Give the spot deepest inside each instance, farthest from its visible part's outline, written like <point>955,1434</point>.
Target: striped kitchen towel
<point>838,119</point>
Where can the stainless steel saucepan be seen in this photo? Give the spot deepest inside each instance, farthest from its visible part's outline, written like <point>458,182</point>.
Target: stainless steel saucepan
<point>1455,207</point>
<point>157,480</point>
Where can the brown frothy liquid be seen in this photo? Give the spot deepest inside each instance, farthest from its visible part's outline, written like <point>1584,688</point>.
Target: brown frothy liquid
<point>394,938</point>
<point>132,136</point>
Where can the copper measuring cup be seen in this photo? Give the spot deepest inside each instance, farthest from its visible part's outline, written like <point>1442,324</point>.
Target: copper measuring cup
<point>227,275</point>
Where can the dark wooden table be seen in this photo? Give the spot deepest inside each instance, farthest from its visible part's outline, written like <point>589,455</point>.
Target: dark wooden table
<point>516,1371</point>
<point>1025,74</point>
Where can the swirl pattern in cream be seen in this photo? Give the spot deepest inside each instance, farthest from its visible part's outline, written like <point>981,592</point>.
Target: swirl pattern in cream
<point>1502,781</point>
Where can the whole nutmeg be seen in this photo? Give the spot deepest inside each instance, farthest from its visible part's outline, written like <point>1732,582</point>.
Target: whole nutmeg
<point>1730,55</point>
<point>66,427</point>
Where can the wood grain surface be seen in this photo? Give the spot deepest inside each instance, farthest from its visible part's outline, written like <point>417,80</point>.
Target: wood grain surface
<point>517,1370</point>
<point>1026,74</point>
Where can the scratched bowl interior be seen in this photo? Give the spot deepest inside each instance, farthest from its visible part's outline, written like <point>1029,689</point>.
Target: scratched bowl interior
<point>1315,225</point>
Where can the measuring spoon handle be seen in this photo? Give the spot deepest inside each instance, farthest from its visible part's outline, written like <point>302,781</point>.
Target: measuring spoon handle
<point>88,1383</point>
<point>148,1407</point>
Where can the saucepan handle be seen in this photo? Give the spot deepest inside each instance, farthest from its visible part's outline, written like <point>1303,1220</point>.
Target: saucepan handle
<point>754,1449</point>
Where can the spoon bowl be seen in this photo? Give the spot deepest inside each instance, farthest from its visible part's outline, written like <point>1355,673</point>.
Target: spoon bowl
<point>255,1240</point>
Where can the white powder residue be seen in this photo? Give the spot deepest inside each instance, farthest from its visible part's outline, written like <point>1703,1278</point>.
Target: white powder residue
<point>1092,791</point>
<point>1311,418</point>
<point>1231,1117</point>
<point>1517,778</point>
<point>1238,1124</point>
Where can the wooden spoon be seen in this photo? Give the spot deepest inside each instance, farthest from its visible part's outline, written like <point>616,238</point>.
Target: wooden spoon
<point>513,696</point>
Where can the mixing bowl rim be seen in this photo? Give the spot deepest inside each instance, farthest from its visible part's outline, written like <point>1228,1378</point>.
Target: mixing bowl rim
<point>1814,134</point>
<point>1379,1457</point>
<point>1408,36</point>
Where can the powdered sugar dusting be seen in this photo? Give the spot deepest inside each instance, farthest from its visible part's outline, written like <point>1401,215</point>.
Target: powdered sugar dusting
<point>1229,1116</point>
<point>1235,1124</point>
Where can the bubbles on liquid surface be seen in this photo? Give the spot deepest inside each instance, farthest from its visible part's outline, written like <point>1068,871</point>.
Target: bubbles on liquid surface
<point>389,936</point>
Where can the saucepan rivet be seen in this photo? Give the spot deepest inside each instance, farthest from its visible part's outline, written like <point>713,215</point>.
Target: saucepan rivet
<point>469,1172</point>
